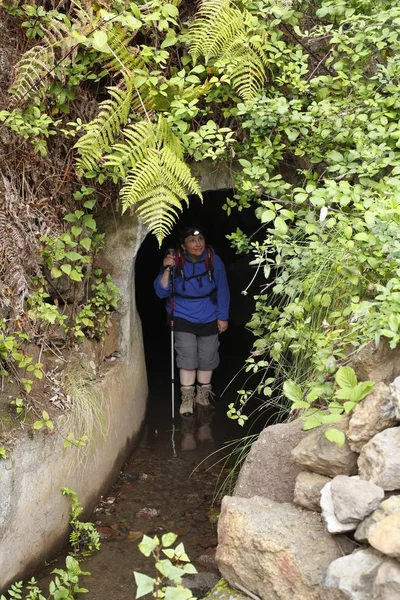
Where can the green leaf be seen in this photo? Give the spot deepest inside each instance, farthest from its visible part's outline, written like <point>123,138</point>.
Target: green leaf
<point>86,243</point>
<point>169,570</point>
<point>170,40</point>
<point>292,391</point>
<point>311,423</point>
<point>76,230</point>
<point>336,436</point>
<point>168,539</point>
<point>66,268</point>
<point>75,275</point>
<point>55,273</point>
<point>100,42</point>
<point>331,418</point>
<point>346,377</point>
<point>74,256</point>
<point>89,204</point>
<point>280,226</point>
<point>147,545</point>
<point>348,406</point>
<point>144,583</point>
<point>177,593</point>
<point>299,404</point>
<point>267,216</point>
<point>189,569</point>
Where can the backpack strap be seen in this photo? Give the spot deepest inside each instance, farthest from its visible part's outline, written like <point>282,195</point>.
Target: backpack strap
<point>209,262</point>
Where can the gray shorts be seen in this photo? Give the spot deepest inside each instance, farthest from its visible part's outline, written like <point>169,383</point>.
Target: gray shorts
<point>196,351</point>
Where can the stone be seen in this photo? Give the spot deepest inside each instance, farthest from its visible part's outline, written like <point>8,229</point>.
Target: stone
<point>200,583</point>
<point>269,469</point>
<point>388,507</point>
<point>316,453</point>
<point>385,535</point>
<point>307,490</point>
<point>372,415</point>
<point>274,550</point>
<point>333,524</point>
<point>223,591</point>
<point>377,363</point>
<point>395,396</point>
<point>111,343</point>
<point>354,499</point>
<point>379,460</point>
<point>387,581</point>
<point>354,575</point>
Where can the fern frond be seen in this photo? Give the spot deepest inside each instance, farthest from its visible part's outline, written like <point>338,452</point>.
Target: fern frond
<point>126,58</point>
<point>102,131</point>
<point>37,64</point>
<point>30,71</point>
<point>220,31</point>
<point>138,138</point>
<point>157,184</point>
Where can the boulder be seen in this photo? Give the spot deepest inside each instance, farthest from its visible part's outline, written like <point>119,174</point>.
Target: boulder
<point>274,550</point>
<point>386,508</point>
<point>377,363</point>
<point>316,453</point>
<point>269,469</point>
<point>307,490</point>
<point>395,396</point>
<point>354,499</point>
<point>387,581</point>
<point>354,575</point>
<point>372,415</point>
<point>379,460</point>
<point>333,524</point>
<point>385,535</point>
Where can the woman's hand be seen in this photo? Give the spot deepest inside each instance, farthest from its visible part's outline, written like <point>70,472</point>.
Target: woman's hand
<point>169,260</point>
<point>222,326</point>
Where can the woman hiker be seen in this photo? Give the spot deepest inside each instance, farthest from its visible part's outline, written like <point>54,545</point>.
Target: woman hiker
<point>193,281</point>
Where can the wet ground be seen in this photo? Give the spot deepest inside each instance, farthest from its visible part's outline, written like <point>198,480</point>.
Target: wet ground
<point>170,483</point>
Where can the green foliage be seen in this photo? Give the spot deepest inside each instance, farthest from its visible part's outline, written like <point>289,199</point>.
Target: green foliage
<point>64,585</point>
<point>320,409</point>
<point>155,176</point>
<point>327,251</point>
<point>223,32</point>
<point>3,452</point>
<point>170,570</point>
<point>72,255</point>
<point>84,538</point>
<point>45,421</point>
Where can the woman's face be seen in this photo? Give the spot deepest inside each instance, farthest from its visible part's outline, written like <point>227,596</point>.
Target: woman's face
<point>194,245</point>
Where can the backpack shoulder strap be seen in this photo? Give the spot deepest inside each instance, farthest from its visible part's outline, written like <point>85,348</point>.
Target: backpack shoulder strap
<point>209,262</point>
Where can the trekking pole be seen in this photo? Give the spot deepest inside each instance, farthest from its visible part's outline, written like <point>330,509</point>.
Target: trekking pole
<point>171,301</point>
<point>172,358</point>
<point>171,304</point>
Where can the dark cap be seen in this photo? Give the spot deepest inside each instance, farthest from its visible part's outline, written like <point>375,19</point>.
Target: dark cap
<point>192,230</point>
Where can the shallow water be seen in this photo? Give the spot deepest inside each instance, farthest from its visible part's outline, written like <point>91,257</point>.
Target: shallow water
<point>170,483</point>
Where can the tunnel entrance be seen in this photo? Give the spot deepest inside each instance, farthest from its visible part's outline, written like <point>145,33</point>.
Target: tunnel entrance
<point>236,343</point>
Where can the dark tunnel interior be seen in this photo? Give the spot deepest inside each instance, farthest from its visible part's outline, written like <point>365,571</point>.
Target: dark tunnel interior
<point>236,343</point>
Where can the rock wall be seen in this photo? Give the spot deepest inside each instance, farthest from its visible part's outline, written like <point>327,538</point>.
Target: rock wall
<point>311,520</point>
<point>33,512</point>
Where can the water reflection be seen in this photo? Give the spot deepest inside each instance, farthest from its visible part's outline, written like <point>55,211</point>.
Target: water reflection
<point>196,428</point>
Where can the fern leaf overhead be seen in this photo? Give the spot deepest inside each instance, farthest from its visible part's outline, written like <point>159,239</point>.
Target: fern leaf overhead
<point>220,31</point>
<point>102,131</point>
<point>157,181</point>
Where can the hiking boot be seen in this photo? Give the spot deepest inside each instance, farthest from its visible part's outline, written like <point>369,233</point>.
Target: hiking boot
<point>186,407</point>
<point>204,394</point>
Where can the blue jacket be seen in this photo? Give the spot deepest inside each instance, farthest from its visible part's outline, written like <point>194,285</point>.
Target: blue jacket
<point>192,299</point>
